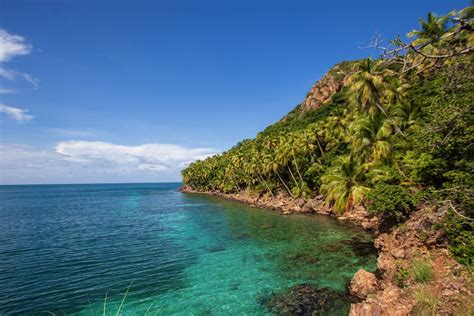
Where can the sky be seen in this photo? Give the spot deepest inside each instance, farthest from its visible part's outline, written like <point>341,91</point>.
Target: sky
<point>133,91</point>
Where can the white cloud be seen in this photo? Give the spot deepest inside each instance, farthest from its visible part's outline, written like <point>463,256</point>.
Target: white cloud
<point>16,113</point>
<point>89,162</point>
<point>8,74</point>
<point>31,80</point>
<point>12,45</point>
<point>13,75</point>
<point>152,157</point>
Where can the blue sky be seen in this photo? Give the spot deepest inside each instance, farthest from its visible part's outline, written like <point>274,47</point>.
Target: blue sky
<point>132,91</point>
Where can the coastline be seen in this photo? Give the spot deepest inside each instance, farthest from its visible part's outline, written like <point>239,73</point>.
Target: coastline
<point>391,289</point>
<point>286,205</point>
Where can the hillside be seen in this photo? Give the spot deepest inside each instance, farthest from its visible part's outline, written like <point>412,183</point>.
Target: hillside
<point>387,138</point>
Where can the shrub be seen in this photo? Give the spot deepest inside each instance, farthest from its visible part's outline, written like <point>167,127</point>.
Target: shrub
<point>401,276</point>
<point>390,200</point>
<point>460,233</point>
<point>422,271</point>
<point>427,302</point>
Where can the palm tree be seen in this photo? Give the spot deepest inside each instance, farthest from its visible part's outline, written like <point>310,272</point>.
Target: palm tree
<point>294,146</point>
<point>282,156</point>
<point>257,167</point>
<point>343,183</point>
<point>372,138</point>
<point>431,30</point>
<point>369,89</point>
<point>271,164</point>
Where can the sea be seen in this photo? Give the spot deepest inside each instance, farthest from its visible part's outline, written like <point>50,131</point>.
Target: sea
<point>148,249</point>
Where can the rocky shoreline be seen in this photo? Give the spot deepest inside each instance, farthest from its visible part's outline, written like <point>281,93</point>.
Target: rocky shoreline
<point>286,205</point>
<point>405,254</point>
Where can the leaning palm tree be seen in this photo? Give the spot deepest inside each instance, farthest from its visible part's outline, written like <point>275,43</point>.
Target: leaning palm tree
<point>271,164</point>
<point>343,183</point>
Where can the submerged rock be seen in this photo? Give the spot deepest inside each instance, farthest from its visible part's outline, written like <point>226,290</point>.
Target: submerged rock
<point>303,258</point>
<point>305,299</point>
<point>360,247</point>
<point>242,235</point>
<point>215,248</point>
<point>267,226</point>
<point>332,247</point>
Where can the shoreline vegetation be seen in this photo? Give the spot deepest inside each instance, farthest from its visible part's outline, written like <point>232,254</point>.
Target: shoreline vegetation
<point>385,143</point>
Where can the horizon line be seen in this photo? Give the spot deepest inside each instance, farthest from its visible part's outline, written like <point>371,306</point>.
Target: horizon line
<point>91,183</point>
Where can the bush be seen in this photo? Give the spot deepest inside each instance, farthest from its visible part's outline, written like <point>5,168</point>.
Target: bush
<point>460,233</point>
<point>400,277</point>
<point>422,271</point>
<point>390,200</point>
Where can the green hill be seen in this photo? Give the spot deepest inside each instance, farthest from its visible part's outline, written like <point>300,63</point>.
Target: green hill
<point>389,134</point>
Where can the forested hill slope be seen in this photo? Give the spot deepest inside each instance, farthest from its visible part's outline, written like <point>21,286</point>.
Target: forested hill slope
<point>388,134</point>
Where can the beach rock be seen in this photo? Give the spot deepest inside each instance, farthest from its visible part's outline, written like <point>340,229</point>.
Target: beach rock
<point>305,299</point>
<point>387,302</point>
<point>362,284</point>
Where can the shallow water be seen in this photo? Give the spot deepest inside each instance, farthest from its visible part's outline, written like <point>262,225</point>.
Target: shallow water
<point>65,248</point>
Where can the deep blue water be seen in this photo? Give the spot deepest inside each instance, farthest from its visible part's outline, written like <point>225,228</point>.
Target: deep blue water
<point>67,248</point>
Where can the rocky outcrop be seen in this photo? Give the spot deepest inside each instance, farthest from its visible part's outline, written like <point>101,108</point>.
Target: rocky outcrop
<point>417,273</point>
<point>363,284</point>
<point>388,301</point>
<point>326,87</point>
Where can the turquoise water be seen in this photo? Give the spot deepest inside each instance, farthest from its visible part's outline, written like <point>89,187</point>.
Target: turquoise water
<point>65,248</point>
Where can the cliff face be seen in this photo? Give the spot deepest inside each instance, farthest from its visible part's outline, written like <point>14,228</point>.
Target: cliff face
<point>331,83</point>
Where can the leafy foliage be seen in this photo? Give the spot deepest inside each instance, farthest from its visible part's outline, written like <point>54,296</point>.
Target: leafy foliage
<point>460,234</point>
<point>392,200</point>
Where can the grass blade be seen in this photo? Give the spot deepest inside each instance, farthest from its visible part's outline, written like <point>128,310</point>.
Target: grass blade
<point>123,300</point>
<point>149,307</point>
<point>105,303</point>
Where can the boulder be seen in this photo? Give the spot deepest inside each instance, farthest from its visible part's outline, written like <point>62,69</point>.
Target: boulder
<point>388,302</point>
<point>362,284</point>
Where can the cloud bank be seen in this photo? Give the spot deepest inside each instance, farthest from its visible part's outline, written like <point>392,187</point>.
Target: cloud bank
<point>152,157</point>
<point>93,161</point>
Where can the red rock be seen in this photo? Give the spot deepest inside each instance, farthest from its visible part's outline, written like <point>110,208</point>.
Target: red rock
<point>362,284</point>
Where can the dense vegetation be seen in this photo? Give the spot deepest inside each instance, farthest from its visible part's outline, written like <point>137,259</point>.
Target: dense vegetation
<point>399,133</point>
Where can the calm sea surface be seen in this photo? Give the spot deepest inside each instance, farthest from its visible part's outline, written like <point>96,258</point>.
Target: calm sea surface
<point>67,248</point>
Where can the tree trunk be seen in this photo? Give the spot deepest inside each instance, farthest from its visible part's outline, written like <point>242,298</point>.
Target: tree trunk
<point>292,175</point>
<point>297,169</point>
<point>266,184</point>
<point>284,184</point>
